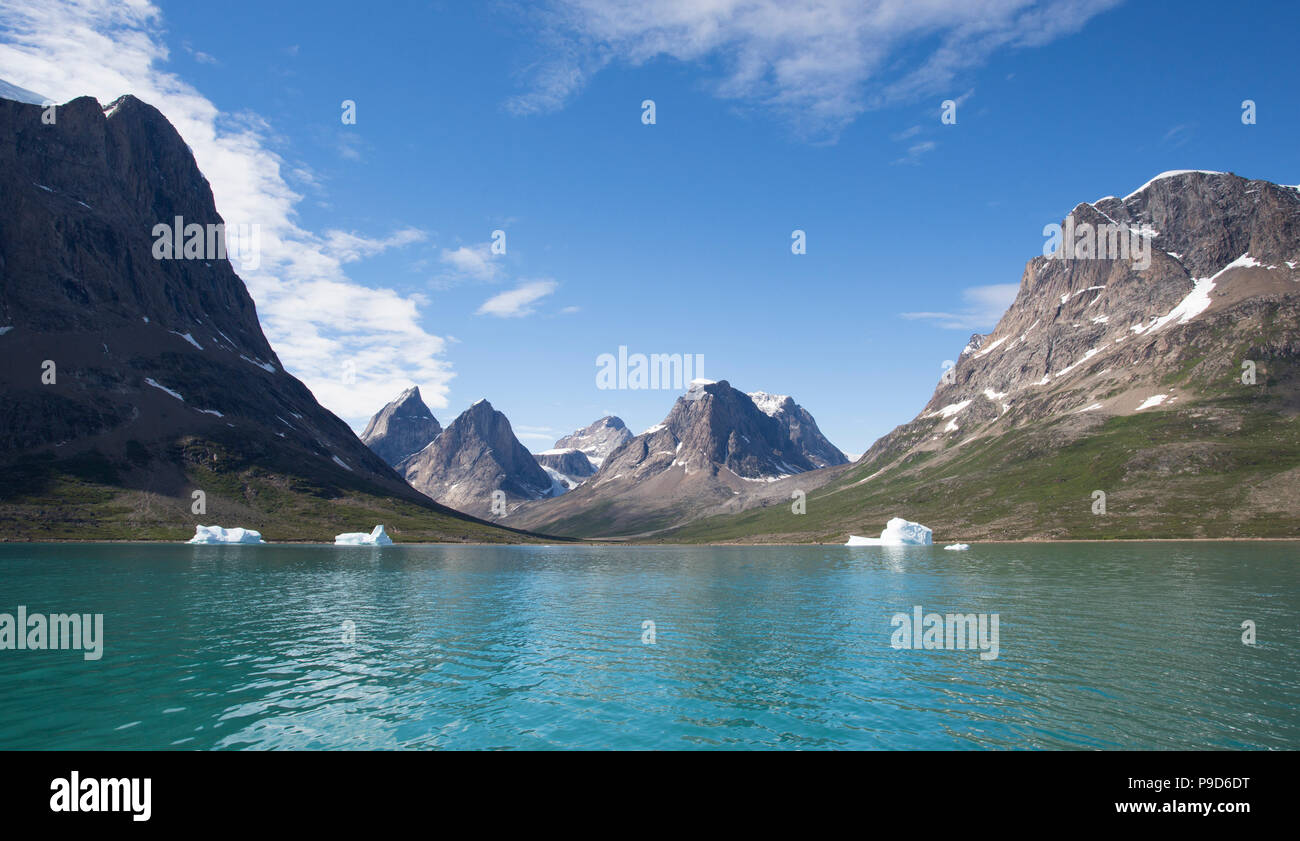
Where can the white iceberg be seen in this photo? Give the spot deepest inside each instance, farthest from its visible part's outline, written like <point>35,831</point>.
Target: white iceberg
<point>378,537</point>
<point>216,534</point>
<point>897,532</point>
<point>958,547</point>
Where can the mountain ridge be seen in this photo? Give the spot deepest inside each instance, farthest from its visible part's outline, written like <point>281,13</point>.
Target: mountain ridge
<point>142,397</point>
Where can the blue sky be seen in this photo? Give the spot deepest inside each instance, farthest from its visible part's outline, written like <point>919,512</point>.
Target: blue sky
<point>673,237</point>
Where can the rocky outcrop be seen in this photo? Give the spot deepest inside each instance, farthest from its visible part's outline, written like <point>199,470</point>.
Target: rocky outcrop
<point>571,462</point>
<point>476,456</point>
<point>402,428</point>
<point>1090,333</point>
<point>598,440</point>
<point>800,428</point>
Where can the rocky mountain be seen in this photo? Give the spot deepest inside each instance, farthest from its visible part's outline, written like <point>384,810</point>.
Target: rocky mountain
<point>1144,383</point>
<point>569,467</point>
<point>140,396</point>
<point>474,457</point>
<point>597,440</point>
<point>799,427</point>
<point>715,447</point>
<point>570,462</point>
<point>402,428</point>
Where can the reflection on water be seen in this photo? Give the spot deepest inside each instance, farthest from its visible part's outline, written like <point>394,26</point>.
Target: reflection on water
<point>1126,645</point>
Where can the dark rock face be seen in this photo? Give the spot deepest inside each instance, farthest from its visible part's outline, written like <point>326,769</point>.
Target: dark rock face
<point>159,366</point>
<point>571,462</point>
<point>402,428</point>
<point>475,455</point>
<point>800,428</point>
<point>598,440</point>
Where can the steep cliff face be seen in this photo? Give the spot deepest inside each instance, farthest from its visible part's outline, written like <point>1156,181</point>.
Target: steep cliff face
<point>474,457</point>
<point>571,462</point>
<point>132,381</point>
<point>402,428</point>
<point>800,427</point>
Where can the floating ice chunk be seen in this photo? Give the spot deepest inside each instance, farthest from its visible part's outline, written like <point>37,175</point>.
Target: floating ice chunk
<point>957,547</point>
<point>216,534</point>
<point>897,532</point>
<point>378,537</point>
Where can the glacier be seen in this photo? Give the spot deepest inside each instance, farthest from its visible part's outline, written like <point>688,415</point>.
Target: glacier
<point>216,534</point>
<point>897,532</point>
<point>378,537</point>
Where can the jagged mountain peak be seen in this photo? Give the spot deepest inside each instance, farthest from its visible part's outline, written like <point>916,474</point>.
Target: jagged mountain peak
<point>598,439</point>
<point>474,456</point>
<point>403,427</point>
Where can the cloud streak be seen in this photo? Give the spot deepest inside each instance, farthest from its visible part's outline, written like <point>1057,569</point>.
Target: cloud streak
<point>518,302</point>
<point>817,63</point>
<point>984,307</point>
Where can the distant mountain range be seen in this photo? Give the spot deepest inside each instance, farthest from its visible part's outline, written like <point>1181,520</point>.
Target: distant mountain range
<point>1143,383</point>
<point>714,443</point>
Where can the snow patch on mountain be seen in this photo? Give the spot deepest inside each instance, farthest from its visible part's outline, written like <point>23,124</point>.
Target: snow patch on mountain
<point>151,381</point>
<point>1170,174</point>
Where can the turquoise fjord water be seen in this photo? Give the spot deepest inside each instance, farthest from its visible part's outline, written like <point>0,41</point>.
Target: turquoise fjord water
<point>1124,645</point>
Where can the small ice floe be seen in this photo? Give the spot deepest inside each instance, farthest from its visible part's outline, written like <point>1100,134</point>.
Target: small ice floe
<point>216,534</point>
<point>378,537</point>
<point>897,532</point>
<point>957,547</point>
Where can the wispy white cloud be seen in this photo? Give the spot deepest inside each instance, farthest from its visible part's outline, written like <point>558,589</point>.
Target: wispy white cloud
<point>321,323</point>
<point>518,302</point>
<point>350,247</point>
<point>198,55</point>
<point>819,63</point>
<point>475,261</point>
<point>537,433</point>
<point>915,151</point>
<point>983,308</point>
